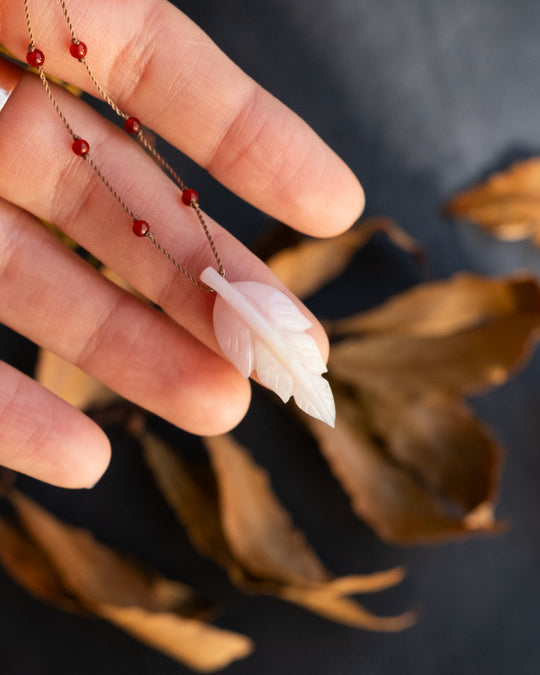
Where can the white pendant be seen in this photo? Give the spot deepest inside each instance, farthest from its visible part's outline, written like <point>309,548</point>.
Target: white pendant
<point>259,329</point>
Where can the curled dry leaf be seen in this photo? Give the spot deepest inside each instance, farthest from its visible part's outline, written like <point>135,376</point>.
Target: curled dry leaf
<point>440,308</point>
<point>396,501</point>
<point>507,204</point>
<point>331,600</point>
<point>157,611</point>
<point>308,266</point>
<point>71,383</point>
<point>239,522</point>
<point>416,463</point>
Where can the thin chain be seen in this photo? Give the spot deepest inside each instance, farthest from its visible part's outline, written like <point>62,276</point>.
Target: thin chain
<point>88,159</point>
<point>204,226</point>
<point>164,165</point>
<point>102,91</point>
<point>161,161</point>
<point>178,266</point>
<point>109,187</point>
<point>97,85</point>
<point>55,105</point>
<point>68,20</point>
<point>29,26</point>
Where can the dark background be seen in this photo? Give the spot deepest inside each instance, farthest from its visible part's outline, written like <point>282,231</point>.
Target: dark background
<point>420,97</point>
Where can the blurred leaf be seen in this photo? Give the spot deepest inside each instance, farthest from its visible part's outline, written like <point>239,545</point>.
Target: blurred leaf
<point>31,568</point>
<point>239,523</point>
<point>157,611</point>
<point>416,463</point>
<point>397,501</point>
<point>441,308</point>
<point>259,531</point>
<point>312,263</point>
<point>71,383</point>
<point>330,600</point>
<point>507,203</point>
<point>474,353</point>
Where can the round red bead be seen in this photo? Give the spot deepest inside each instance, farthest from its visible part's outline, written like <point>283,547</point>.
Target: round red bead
<point>132,125</point>
<point>35,58</point>
<point>190,197</point>
<point>78,50</point>
<point>80,147</point>
<point>140,228</point>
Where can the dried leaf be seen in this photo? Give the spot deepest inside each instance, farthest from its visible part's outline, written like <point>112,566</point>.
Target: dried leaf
<point>259,530</point>
<point>308,266</point>
<point>191,491</point>
<point>253,537</point>
<point>155,610</point>
<point>70,383</point>
<point>437,439</point>
<point>507,204</point>
<point>444,307</point>
<point>399,505</point>
<point>465,362</point>
<point>416,463</point>
<point>31,568</point>
<point>329,600</point>
<point>200,646</point>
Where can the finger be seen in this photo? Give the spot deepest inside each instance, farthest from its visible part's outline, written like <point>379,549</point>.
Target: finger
<point>158,65</point>
<point>57,300</point>
<point>35,151</point>
<point>44,437</point>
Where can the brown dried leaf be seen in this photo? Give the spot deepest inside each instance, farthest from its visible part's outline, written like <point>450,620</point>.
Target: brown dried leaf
<point>444,307</point>
<point>312,263</point>
<point>465,362</point>
<point>416,463</point>
<point>191,492</point>
<point>143,603</point>
<point>31,568</point>
<point>507,204</point>
<point>397,503</point>
<point>260,532</point>
<point>330,600</point>
<point>199,645</point>
<point>257,542</point>
<point>70,383</point>
<point>437,439</point>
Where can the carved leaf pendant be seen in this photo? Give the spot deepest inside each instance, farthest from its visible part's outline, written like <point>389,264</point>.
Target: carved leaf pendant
<point>259,329</point>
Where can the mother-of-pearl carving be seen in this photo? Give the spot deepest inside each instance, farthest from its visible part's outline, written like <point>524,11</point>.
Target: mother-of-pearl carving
<point>260,330</point>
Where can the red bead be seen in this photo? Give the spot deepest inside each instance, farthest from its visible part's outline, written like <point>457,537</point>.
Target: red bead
<point>78,50</point>
<point>140,228</point>
<point>190,197</point>
<point>80,147</point>
<point>132,125</point>
<point>35,58</point>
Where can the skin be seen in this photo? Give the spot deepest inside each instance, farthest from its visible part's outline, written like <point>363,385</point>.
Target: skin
<point>210,110</point>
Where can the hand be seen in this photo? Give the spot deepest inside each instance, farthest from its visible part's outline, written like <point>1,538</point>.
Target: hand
<point>155,64</point>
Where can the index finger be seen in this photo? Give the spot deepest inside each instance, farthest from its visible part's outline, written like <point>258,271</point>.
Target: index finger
<point>157,64</point>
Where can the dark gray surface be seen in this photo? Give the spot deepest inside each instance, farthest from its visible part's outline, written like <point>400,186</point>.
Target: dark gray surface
<point>420,97</point>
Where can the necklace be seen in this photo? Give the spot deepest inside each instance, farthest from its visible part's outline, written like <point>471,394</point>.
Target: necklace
<point>258,328</point>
